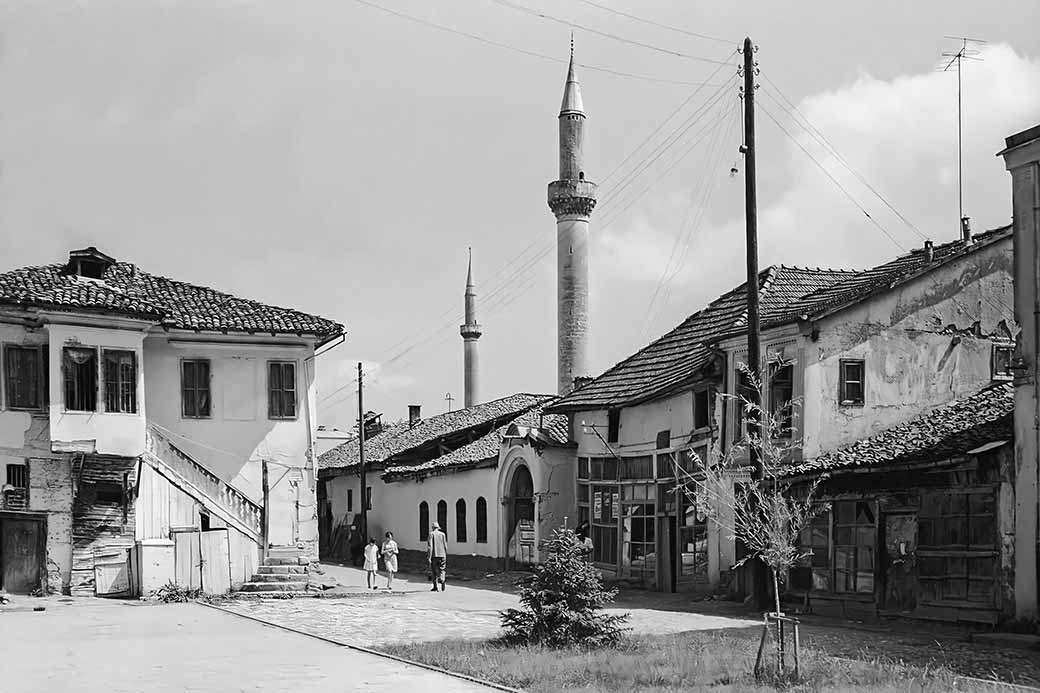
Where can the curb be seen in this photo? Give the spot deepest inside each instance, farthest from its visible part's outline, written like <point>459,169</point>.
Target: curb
<point>359,648</point>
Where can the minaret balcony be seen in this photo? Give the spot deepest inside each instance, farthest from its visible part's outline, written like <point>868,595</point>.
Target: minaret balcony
<point>572,197</point>
<point>470,331</point>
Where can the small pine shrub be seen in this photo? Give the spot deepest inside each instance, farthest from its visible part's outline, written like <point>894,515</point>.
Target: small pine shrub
<point>560,600</point>
<point>172,593</point>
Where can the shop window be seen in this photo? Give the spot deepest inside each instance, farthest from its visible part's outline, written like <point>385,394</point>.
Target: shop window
<point>613,425</point>
<point>813,571</point>
<point>583,467</point>
<point>120,381</point>
<point>854,541</point>
<point>605,506</point>
<point>1003,360</point>
<point>693,542</point>
<point>424,521</point>
<point>281,390</point>
<point>25,376</point>
<point>481,520</point>
<point>442,515</point>
<point>195,397</point>
<point>79,366</point>
<point>18,475</point>
<point>851,382</point>
<point>604,468</point>
<point>641,467</point>
<point>781,392</point>
<point>701,410</point>
<point>666,463</point>
<point>638,524</point>
<point>460,521</point>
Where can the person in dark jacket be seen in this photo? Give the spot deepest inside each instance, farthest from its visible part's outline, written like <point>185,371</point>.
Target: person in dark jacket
<point>357,546</point>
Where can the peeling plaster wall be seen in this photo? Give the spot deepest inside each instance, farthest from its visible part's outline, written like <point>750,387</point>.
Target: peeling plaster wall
<point>238,435</point>
<point>640,425</point>
<point>924,344</point>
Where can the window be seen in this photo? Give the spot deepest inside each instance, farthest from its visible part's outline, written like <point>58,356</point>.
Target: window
<point>605,506</point>
<point>80,368</point>
<point>120,381</point>
<point>25,373</point>
<point>613,425</point>
<point>641,467</point>
<point>368,498</point>
<point>701,410</point>
<point>195,399</point>
<point>442,515</point>
<point>851,382</point>
<point>745,392</point>
<point>481,520</point>
<point>604,468</point>
<point>854,533</point>
<point>18,475</point>
<point>350,500</point>
<point>108,493</point>
<point>1003,360</point>
<point>460,520</point>
<point>813,572</point>
<point>281,390</point>
<point>781,392</point>
<point>664,440</point>
<point>693,539</point>
<point>583,467</point>
<point>424,521</point>
<point>638,557</point>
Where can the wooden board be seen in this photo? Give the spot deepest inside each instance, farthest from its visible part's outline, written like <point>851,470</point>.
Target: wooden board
<point>187,560</point>
<point>216,562</point>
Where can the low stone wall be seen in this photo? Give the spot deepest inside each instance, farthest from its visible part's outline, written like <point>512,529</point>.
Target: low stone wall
<point>414,562</point>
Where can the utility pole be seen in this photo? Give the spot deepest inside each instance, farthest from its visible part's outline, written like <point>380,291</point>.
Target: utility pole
<point>361,454</point>
<point>266,525</point>
<point>758,568</point>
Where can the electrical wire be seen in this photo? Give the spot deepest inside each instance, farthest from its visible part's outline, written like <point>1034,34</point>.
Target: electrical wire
<point>516,49</point>
<point>657,24</point>
<point>604,34</point>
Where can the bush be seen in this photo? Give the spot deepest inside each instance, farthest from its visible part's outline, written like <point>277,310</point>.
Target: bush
<point>172,593</point>
<point>560,600</point>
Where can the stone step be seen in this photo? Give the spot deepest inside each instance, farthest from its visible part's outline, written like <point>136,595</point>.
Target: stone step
<point>282,570</point>
<point>285,560</point>
<point>277,577</point>
<point>274,587</point>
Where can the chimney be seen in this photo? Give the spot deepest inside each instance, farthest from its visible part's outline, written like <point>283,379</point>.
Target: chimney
<point>966,229</point>
<point>929,251</point>
<point>413,414</point>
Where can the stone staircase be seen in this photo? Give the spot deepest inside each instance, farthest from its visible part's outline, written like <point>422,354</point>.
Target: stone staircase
<point>285,572</point>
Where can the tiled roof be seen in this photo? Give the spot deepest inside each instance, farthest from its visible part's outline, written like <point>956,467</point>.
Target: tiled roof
<point>400,438</point>
<point>127,290</point>
<point>675,357</point>
<point>786,294</point>
<point>942,433</point>
<point>485,449</point>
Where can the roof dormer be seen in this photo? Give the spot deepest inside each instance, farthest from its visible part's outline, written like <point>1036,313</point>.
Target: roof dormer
<point>89,262</point>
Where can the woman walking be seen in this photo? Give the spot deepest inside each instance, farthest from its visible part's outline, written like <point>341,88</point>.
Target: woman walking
<point>372,563</point>
<point>390,552</point>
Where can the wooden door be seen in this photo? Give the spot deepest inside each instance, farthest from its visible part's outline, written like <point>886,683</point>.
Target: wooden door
<point>899,562</point>
<point>21,554</point>
<point>216,561</point>
<point>187,560</point>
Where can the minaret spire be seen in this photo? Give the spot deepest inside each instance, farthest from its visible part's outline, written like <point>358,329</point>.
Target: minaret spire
<point>572,199</point>
<point>470,331</point>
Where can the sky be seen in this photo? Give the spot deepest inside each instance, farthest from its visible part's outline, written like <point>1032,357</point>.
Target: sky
<point>340,157</point>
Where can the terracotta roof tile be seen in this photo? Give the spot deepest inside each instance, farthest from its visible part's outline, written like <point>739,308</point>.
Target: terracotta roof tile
<point>125,289</point>
<point>942,433</point>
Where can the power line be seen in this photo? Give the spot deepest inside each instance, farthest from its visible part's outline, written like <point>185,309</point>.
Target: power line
<point>615,37</point>
<point>815,133</point>
<point>657,24</point>
<point>833,179</point>
<point>517,49</point>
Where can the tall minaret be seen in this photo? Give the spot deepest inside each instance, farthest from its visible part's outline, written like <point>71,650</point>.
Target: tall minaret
<point>470,331</point>
<point>572,199</point>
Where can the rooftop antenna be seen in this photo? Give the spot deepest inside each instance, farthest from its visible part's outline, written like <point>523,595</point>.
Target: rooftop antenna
<point>449,399</point>
<point>964,53</point>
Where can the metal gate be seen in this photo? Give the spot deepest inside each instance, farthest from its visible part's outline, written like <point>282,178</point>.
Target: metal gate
<point>202,560</point>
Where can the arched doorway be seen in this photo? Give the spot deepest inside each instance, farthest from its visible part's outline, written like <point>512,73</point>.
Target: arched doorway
<point>520,508</point>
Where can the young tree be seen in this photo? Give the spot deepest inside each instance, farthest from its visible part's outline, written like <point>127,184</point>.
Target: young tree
<point>765,515</point>
<point>560,602</point>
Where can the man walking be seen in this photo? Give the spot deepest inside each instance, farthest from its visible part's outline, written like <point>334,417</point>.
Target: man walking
<point>437,554</point>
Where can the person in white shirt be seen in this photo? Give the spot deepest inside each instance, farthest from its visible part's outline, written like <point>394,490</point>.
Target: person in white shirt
<point>372,563</point>
<point>390,552</point>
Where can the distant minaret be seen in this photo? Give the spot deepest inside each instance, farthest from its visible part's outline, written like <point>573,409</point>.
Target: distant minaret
<point>470,331</point>
<point>572,199</point>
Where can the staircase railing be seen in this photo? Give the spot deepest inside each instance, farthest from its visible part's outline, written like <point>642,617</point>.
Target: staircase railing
<point>218,496</point>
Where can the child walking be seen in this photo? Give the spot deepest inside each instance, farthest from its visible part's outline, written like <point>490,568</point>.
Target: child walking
<point>390,552</point>
<point>372,563</point>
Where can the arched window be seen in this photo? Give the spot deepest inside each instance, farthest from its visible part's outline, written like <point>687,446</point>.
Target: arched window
<point>481,520</point>
<point>424,521</point>
<point>460,520</point>
<point>442,515</point>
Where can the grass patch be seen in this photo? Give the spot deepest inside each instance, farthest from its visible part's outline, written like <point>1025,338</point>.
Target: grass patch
<point>687,661</point>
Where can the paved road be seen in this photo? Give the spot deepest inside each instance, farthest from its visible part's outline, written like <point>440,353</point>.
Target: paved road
<point>98,645</point>
<point>415,614</point>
